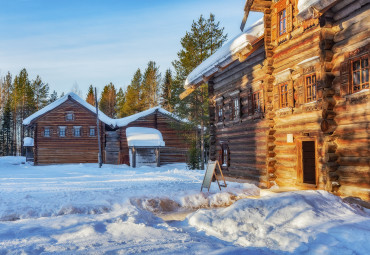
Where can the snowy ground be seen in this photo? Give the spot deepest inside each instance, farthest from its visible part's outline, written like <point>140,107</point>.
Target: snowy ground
<point>81,209</point>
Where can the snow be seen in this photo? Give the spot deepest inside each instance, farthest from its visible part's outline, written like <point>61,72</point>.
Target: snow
<point>104,118</point>
<point>83,209</point>
<point>224,56</point>
<point>28,142</point>
<point>306,7</point>
<point>140,136</point>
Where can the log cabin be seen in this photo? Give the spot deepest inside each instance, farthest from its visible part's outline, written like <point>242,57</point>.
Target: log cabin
<point>289,97</point>
<point>65,131</point>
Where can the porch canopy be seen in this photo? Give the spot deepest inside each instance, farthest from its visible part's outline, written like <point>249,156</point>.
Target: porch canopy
<point>144,145</point>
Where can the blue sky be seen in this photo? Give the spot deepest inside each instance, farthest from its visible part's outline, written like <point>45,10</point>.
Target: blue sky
<point>97,42</point>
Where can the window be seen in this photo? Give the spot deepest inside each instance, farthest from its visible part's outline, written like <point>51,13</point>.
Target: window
<point>311,88</point>
<point>283,94</point>
<point>282,22</point>
<point>47,132</point>
<point>92,132</point>
<point>257,102</point>
<point>220,116</point>
<point>360,74</point>
<point>69,116</point>
<point>235,108</point>
<point>224,156</point>
<point>62,131</point>
<point>77,131</point>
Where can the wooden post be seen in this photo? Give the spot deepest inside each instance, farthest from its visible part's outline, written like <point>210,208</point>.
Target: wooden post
<point>157,157</point>
<point>98,129</point>
<point>133,154</point>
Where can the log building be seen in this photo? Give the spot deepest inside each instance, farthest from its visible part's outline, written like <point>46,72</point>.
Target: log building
<point>289,97</point>
<point>66,132</point>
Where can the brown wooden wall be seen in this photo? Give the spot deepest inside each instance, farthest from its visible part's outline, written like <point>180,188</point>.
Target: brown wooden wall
<point>176,148</point>
<point>246,136</point>
<point>351,136</point>
<point>69,149</point>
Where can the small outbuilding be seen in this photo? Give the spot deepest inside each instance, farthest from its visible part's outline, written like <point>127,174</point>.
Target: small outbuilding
<point>144,146</point>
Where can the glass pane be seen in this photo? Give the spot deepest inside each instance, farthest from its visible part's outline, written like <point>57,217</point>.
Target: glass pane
<point>356,65</point>
<point>308,80</point>
<point>365,63</point>
<point>365,75</point>
<point>356,78</point>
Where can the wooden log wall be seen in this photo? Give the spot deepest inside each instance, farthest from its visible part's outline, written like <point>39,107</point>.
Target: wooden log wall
<point>68,149</point>
<point>176,148</point>
<point>349,21</point>
<point>246,136</point>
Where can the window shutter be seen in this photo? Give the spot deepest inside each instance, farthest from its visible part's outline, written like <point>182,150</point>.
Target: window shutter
<point>262,101</point>
<point>344,77</point>
<point>220,156</point>
<point>290,94</point>
<point>42,132</point>
<point>58,132</point>
<point>273,25</point>
<point>289,18</point>
<point>250,102</point>
<point>276,97</point>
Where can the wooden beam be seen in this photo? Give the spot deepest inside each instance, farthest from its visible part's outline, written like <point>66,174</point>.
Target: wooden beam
<point>247,8</point>
<point>187,92</point>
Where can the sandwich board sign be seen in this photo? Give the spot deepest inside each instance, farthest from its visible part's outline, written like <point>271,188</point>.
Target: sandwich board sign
<point>210,173</point>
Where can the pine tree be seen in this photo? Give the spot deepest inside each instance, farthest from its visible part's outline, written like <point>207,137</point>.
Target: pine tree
<point>62,95</point>
<point>41,91</point>
<point>150,86</point>
<point>132,103</point>
<point>107,103</point>
<point>90,98</point>
<point>120,103</point>
<point>53,97</point>
<point>167,99</point>
<point>204,38</point>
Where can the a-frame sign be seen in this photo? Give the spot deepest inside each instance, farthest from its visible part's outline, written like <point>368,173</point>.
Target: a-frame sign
<point>210,173</point>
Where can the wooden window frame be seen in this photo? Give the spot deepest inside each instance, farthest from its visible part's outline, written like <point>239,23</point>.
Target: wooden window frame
<point>224,156</point>
<point>299,181</point>
<point>257,106</point>
<point>283,103</point>
<point>310,87</point>
<point>360,71</point>
<point>219,109</point>
<point>235,109</point>
<point>75,128</point>
<point>280,20</point>
<point>60,128</point>
<point>70,114</point>
<point>92,128</point>
<point>49,132</point>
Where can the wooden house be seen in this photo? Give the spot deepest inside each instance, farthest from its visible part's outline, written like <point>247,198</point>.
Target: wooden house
<point>65,131</point>
<point>290,100</point>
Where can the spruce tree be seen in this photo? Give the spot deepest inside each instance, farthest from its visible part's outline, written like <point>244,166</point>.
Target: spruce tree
<point>167,99</point>
<point>41,91</point>
<point>120,103</point>
<point>90,98</point>
<point>53,97</point>
<point>204,38</point>
<point>150,86</point>
<point>107,103</point>
<point>133,103</point>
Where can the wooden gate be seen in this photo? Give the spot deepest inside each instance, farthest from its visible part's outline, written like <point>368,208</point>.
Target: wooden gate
<point>112,147</point>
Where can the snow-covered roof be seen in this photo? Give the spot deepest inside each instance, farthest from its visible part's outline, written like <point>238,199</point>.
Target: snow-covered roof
<point>144,137</point>
<point>127,120</point>
<point>224,56</point>
<point>104,118</point>
<point>28,142</point>
<point>306,8</point>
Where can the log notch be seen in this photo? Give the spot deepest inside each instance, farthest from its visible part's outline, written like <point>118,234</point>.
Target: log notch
<point>348,146</point>
<point>268,67</point>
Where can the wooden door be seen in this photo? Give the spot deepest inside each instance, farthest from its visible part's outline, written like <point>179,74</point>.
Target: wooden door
<point>112,147</point>
<point>309,162</point>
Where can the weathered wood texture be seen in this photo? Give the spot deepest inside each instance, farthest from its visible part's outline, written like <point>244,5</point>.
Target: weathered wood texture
<point>68,149</point>
<point>351,135</point>
<point>337,120</point>
<point>176,148</point>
